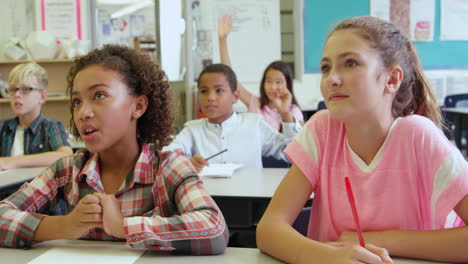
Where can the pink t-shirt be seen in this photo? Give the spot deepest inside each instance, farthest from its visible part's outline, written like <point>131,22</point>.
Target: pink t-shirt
<point>272,116</point>
<point>413,183</point>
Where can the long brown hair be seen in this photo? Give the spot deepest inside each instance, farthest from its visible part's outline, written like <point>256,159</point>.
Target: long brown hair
<point>415,95</point>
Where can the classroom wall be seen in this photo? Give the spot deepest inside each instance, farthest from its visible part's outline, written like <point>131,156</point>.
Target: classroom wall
<point>307,86</point>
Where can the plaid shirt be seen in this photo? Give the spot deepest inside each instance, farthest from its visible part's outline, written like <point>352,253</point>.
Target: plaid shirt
<point>164,204</point>
<point>43,135</point>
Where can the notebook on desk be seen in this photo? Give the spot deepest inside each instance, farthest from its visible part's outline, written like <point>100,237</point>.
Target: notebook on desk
<point>219,170</point>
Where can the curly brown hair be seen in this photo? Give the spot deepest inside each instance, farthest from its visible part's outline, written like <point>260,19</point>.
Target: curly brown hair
<point>143,77</point>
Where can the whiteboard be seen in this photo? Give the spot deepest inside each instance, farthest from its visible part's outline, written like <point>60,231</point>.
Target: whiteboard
<point>255,40</point>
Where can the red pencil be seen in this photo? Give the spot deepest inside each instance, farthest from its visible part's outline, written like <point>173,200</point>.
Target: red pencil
<point>352,202</point>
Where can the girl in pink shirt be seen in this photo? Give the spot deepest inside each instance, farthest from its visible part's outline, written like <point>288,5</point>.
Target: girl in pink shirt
<point>277,103</point>
<point>382,129</point>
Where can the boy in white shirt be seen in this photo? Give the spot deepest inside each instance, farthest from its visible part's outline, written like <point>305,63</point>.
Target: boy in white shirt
<point>246,136</point>
<point>30,139</point>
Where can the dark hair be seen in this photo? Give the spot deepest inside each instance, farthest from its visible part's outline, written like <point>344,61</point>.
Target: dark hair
<point>223,69</point>
<point>143,77</point>
<point>285,69</point>
<point>415,95</point>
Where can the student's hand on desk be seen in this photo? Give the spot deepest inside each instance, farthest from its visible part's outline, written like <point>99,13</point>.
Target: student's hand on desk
<point>7,163</point>
<point>113,221</point>
<point>199,162</point>
<point>87,215</point>
<point>345,253</point>
<point>349,238</point>
<point>224,26</point>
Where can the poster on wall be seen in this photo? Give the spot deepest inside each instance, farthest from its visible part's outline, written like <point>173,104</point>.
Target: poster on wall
<point>137,25</point>
<point>453,18</point>
<point>62,18</point>
<point>415,18</point>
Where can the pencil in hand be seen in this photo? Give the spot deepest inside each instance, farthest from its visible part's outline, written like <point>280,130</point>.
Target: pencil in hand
<point>352,202</point>
<point>219,153</point>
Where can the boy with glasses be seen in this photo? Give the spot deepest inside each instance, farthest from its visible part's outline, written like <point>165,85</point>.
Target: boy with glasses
<point>30,139</point>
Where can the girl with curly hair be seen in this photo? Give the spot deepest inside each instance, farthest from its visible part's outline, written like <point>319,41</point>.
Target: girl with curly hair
<point>122,187</point>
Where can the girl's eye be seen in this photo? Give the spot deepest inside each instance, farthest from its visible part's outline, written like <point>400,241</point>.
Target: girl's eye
<point>325,68</point>
<point>99,95</point>
<point>350,63</point>
<point>219,90</point>
<point>75,102</point>
<point>202,91</point>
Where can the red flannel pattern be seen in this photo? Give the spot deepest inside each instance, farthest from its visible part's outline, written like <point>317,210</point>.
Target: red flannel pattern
<point>164,204</point>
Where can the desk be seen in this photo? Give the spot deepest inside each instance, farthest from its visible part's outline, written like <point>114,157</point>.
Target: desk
<point>232,255</point>
<point>10,180</point>
<point>246,182</point>
<point>244,197</point>
<point>460,120</point>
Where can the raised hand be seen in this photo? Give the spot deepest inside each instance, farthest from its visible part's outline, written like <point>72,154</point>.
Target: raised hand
<point>224,26</point>
<point>113,222</point>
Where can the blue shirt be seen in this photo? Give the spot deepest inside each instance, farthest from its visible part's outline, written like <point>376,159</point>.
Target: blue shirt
<point>43,135</point>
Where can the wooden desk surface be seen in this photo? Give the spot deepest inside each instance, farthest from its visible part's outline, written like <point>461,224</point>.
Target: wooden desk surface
<point>232,255</point>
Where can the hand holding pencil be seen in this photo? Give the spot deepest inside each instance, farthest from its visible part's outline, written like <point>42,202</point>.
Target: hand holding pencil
<point>367,253</point>
<point>199,162</point>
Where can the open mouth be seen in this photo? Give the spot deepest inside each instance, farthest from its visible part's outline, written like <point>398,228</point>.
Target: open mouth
<point>89,131</point>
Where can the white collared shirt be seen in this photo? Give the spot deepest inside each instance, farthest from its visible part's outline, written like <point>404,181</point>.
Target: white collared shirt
<point>18,143</point>
<point>246,136</point>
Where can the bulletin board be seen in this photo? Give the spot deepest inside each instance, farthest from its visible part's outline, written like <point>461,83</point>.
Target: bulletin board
<point>319,18</point>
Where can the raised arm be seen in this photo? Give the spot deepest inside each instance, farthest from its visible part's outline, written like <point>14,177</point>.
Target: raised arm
<point>224,28</point>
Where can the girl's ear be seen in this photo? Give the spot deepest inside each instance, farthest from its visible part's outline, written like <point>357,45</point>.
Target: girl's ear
<point>394,80</point>
<point>141,104</point>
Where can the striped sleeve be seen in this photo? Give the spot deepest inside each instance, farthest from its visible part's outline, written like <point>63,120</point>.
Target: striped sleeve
<point>450,186</point>
<point>443,171</point>
<point>303,151</point>
<point>198,228</point>
<point>20,212</point>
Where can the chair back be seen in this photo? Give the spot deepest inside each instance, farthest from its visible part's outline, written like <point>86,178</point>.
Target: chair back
<point>321,105</point>
<point>302,221</point>
<point>456,100</point>
<point>272,162</point>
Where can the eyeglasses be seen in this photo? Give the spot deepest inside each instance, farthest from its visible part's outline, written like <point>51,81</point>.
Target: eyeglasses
<point>23,90</point>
